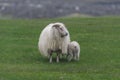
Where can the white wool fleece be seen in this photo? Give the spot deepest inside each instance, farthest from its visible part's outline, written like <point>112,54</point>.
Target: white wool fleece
<point>50,39</point>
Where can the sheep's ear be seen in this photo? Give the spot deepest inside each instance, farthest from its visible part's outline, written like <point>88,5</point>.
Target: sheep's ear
<point>56,25</point>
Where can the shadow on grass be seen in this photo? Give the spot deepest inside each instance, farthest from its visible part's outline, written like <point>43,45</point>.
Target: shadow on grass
<point>61,61</point>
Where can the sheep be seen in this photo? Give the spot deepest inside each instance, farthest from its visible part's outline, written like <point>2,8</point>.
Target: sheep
<point>54,39</point>
<point>73,51</point>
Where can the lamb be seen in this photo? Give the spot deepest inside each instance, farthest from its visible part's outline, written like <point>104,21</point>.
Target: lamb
<point>54,38</point>
<point>73,51</point>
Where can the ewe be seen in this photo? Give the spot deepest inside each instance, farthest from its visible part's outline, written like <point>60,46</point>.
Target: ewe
<point>54,38</point>
<point>73,51</point>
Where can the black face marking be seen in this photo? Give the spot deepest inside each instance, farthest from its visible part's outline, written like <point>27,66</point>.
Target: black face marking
<point>56,26</point>
<point>61,29</point>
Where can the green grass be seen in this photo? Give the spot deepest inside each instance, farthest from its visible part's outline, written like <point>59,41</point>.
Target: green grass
<point>100,50</point>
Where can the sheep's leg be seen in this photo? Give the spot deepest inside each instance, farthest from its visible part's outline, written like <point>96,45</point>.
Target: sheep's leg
<point>58,55</point>
<point>67,55</point>
<point>77,57</point>
<point>59,51</point>
<point>70,56</point>
<point>50,60</point>
<point>50,55</point>
<point>74,56</point>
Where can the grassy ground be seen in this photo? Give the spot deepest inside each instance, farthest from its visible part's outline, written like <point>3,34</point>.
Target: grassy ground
<point>100,50</point>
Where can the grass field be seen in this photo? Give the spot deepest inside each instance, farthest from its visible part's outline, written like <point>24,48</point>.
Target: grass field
<point>100,50</point>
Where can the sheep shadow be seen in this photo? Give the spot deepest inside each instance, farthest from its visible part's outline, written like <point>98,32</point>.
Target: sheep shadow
<point>46,60</point>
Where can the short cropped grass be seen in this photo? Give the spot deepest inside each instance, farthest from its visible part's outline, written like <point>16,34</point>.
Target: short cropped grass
<point>99,39</point>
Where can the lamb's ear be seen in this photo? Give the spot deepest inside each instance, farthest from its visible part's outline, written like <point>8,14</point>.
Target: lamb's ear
<point>75,47</point>
<point>56,26</point>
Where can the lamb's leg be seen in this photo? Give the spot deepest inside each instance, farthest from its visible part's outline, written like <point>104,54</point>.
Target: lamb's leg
<point>77,57</point>
<point>50,55</point>
<point>74,56</point>
<point>70,56</point>
<point>67,55</point>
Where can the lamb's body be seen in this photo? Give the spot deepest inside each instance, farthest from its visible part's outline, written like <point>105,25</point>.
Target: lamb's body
<point>52,40</point>
<point>73,51</point>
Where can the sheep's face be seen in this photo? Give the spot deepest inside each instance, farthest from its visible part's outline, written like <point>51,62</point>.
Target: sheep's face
<point>60,29</point>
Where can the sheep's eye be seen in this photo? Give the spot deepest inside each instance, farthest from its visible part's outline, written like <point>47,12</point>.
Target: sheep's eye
<point>61,29</point>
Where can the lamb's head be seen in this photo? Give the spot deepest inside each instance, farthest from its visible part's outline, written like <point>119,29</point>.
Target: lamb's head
<point>60,29</point>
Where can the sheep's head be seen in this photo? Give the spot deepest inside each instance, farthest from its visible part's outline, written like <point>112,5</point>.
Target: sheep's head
<point>60,29</point>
